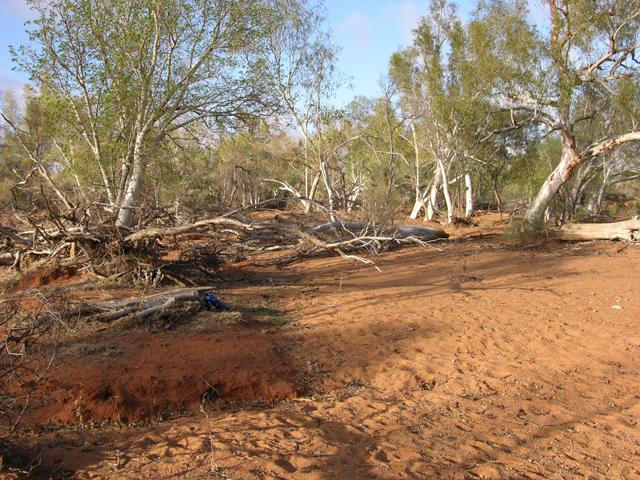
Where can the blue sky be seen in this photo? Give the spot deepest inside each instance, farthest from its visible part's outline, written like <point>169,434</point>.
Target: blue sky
<point>366,32</point>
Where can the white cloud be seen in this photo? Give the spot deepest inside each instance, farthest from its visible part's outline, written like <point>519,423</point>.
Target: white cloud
<point>357,28</point>
<point>407,17</point>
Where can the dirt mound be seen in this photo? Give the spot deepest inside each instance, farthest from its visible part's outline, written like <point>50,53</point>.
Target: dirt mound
<point>142,375</point>
<point>55,275</point>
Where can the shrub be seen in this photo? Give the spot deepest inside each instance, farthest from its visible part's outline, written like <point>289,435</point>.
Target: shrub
<point>523,231</point>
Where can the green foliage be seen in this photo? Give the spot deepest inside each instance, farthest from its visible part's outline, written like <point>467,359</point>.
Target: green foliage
<point>197,99</point>
<point>521,232</point>
<point>379,205</point>
<point>124,82</point>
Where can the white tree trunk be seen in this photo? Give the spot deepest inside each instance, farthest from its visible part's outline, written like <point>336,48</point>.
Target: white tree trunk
<point>445,192</point>
<point>420,196</point>
<point>328,184</point>
<point>353,197</point>
<point>569,161</point>
<point>418,204</point>
<point>432,202</point>
<point>130,198</point>
<point>312,193</point>
<point>596,199</point>
<point>468,194</point>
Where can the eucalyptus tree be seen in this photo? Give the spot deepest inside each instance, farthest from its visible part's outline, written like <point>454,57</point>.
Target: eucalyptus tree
<point>13,167</point>
<point>438,84</point>
<point>543,77</point>
<point>30,138</point>
<point>302,63</point>
<point>622,164</point>
<point>132,73</point>
<point>378,157</point>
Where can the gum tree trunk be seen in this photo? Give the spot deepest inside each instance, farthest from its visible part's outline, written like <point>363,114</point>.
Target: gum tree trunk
<point>432,202</point>
<point>596,199</point>
<point>468,195</point>
<point>420,195</point>
<point>445,192</point>
<point>130,198</point>
<point>312,193</point>
<point>569,161</point>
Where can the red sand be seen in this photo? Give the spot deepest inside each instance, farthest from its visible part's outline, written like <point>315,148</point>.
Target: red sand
<point>476,361</point>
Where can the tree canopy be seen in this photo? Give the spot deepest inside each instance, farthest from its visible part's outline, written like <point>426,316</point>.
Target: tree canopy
<point>138,102</point>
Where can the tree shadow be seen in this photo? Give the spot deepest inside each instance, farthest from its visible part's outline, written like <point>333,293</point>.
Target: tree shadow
<point>350,427</point>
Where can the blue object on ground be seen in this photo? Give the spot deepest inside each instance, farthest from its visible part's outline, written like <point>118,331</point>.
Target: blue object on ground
<point>211,301</point>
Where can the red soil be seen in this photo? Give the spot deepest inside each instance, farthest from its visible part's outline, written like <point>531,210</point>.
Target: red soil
<point>51,276</point>
<point>464,360</point>
<point>133,377</point>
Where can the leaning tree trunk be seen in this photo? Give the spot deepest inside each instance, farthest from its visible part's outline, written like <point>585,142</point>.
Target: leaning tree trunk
<point>468,195</point>
<point>569,161</point>
<point>417,206</point>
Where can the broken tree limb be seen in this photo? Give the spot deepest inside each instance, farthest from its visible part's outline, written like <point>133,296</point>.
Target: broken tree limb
<point>147,307</point>
<point>628,230</point>
<point>155,232</point>
<point>13,235</point>
<point>400,232</point>
<point>224,219</point>
<point>138,308</point>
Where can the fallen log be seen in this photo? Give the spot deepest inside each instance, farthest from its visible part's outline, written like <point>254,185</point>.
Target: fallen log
<point>137,307</point>
<point>424,234</point>
<point>401,232</point>
<point>154,232</point>
<point>628,230</point>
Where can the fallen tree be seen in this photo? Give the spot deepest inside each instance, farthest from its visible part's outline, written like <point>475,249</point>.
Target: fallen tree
<point>109,251</point>
<point>139,308</point>
<point>400,232</point>
<point>628,230</point>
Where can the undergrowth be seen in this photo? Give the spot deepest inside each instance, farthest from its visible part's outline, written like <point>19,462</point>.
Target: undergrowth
<point>522,232</point>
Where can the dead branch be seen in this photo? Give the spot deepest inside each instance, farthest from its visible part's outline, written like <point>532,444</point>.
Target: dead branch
<point>13,235</point>
<point>628,230</point>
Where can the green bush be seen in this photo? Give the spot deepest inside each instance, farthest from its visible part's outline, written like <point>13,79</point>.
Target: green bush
<point>523,231</point>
